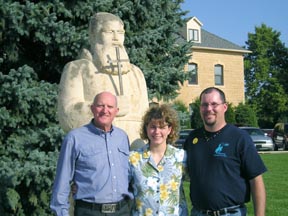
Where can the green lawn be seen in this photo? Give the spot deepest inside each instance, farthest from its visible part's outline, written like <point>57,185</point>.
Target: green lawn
<point>276,182</point>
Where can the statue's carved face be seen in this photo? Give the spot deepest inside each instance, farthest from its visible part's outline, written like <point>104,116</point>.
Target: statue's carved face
<point>112,35</point>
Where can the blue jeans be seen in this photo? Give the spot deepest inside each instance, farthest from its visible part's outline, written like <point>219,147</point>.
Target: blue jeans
<point>239,212</point>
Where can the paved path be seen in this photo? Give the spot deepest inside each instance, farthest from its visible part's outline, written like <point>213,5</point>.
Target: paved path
<point>273,152</point>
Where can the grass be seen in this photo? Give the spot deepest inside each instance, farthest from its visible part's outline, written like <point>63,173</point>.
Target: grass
<point>276,183</point>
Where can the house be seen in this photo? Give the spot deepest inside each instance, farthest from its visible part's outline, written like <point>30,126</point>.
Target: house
<point>214,62</point>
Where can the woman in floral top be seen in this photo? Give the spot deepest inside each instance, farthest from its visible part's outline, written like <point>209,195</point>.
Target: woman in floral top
<point>157,168</point>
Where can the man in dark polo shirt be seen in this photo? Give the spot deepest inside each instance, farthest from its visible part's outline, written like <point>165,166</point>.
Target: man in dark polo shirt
<point>223,164</point>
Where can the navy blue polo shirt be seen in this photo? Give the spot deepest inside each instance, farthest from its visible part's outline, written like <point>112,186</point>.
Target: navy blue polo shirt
<point>220,166</point>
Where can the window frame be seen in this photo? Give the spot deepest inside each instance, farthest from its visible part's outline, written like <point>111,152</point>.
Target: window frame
<point>218,74</point>
<point>193,35</point>
<point>192,81</point>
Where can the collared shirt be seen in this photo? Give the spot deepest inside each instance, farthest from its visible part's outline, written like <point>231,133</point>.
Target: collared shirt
<point>221,166</point>
<point>158,188</point>
<point>97,162</point>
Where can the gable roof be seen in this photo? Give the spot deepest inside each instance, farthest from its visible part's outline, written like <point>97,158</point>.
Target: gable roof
<point>211,41</point>
<point>195,20</point>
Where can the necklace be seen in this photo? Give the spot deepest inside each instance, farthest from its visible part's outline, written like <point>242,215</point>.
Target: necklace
<point>210,135</point>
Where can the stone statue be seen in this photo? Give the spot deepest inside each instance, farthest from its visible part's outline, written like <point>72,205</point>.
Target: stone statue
<point>106,67</point>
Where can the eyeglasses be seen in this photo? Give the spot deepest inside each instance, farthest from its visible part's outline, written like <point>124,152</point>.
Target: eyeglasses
<point>213,105</point>
<point>154,127</point>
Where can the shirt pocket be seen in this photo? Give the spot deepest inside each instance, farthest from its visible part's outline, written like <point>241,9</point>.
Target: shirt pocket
<point>124,157</point>
<point>92,159</point>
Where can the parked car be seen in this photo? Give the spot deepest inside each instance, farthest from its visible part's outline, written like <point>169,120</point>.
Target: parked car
<point>261,141</point>
<point>280,135</point>
<point>183,134</point>
<point>268,132</point>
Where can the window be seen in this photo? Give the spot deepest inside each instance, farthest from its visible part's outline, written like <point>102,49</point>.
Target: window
<point>193,69</point>
<point>218,73</point>
<point>193,34</point>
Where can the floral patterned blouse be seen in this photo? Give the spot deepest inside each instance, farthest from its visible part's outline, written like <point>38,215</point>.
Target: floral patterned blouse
<point>158,189</point>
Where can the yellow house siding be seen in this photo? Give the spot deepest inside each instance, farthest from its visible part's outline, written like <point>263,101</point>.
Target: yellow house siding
<point>233,72</point>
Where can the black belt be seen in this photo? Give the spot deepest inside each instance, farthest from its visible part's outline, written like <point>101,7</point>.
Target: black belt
<point>220,212</point>
<point>103,207</point>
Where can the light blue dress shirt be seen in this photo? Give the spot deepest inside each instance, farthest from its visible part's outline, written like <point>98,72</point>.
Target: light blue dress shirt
<point>97,161</point>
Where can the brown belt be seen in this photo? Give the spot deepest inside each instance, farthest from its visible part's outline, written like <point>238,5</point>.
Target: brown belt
<point>103,207</point>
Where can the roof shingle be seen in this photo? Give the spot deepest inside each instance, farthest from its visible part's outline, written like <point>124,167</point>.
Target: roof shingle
<point>209,40</point>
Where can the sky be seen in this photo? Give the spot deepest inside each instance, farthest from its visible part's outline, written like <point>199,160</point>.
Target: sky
<point>233,20</point>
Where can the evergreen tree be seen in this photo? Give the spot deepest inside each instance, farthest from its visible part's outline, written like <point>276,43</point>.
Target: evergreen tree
<point>30,137</point>
<point>37,38</point>
<point>47,34</point>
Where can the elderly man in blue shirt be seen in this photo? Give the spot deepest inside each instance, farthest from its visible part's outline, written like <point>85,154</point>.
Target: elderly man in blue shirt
<point>95,158</point>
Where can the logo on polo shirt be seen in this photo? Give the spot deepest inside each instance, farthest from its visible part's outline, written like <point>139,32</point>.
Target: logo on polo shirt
<point>219,149</point>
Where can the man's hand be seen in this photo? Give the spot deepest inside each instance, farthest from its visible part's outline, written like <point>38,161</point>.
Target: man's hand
<point>74,189</point>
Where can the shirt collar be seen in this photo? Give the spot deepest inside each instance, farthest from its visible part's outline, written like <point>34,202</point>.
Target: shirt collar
<point>98,130</point>
<point>168,153</point>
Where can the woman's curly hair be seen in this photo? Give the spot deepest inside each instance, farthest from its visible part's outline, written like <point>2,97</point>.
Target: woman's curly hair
<point>164,114</point>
